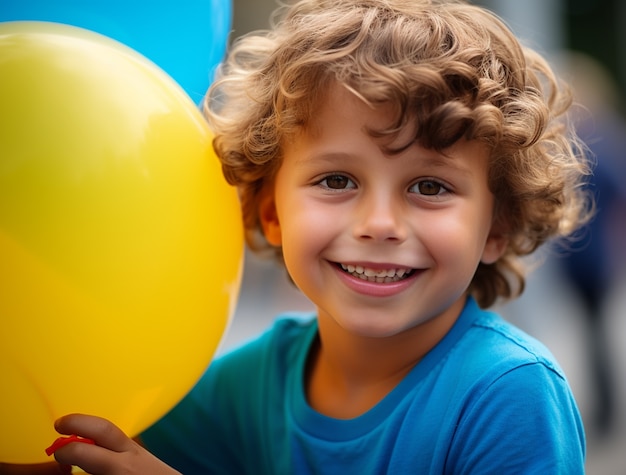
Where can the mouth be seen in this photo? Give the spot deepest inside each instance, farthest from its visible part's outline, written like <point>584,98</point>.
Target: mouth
<point>381,276</point>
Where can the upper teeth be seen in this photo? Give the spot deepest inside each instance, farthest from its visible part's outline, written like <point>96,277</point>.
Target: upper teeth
<point>373,274</point>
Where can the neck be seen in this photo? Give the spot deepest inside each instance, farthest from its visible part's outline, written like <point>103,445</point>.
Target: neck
<point>348,374</point>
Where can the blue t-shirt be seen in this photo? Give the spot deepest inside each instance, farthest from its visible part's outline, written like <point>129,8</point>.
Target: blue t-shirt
<point>487,399</point>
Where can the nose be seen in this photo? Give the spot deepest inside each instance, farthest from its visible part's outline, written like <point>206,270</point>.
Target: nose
<point>380,218</point>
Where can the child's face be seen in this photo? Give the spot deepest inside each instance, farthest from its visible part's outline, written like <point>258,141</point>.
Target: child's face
<point>343,210</point>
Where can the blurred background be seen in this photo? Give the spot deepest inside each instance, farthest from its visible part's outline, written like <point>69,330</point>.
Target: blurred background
<point>575,301</point>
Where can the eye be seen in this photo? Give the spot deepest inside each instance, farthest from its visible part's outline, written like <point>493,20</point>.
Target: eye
<point>428,188</point>
<point>337,182</point>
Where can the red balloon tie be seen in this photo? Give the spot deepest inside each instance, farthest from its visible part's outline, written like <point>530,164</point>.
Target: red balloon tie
<point>63,441</point>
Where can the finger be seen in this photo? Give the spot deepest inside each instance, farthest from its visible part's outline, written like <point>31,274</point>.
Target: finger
<point>90,458</point>
<point>103,432</point>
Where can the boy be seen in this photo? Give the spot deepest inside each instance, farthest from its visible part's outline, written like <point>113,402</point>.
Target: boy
<point>400,157</point>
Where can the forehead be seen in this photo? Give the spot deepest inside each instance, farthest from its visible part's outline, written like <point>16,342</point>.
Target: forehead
<point>342,105</point>
<point>341,109</point>
<point>344,127</point>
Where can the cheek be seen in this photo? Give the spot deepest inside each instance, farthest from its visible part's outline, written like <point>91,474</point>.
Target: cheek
<point>303,218</point>
<point>303,229</point>
<point>457,238</point>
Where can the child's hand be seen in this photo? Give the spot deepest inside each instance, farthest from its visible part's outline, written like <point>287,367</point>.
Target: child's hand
<point>113,453</point>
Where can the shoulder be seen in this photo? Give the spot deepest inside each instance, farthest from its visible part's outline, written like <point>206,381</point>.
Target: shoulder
<point>492,360</point>
<point>517,368</point>
<point>281,344</point>
<point>286,331</point>
<point>225,413</point>
<point>515,401</point>
<point>495,345</point>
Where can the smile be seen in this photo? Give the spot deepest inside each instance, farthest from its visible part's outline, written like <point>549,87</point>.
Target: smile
<point>381,276</point>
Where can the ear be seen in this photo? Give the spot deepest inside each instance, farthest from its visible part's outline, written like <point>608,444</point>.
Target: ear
<point>268,216</point>
<point>494,247</point>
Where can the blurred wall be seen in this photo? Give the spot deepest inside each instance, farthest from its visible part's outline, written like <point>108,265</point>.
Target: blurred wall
<point>538,21</point>
<point>539,24</point>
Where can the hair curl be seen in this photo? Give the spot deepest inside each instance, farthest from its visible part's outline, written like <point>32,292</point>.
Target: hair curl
<point>453,69</point>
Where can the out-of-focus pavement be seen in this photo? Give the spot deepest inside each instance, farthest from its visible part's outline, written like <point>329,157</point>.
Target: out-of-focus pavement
<point>548,310</point>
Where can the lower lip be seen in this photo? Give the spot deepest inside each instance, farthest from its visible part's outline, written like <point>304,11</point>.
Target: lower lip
<point>376,289</point>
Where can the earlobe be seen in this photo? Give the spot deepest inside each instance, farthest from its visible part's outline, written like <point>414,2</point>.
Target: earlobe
<point>269,218</point>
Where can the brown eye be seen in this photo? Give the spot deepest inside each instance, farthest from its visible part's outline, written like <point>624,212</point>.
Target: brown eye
<point>337,182</point>
<point>428,187</point>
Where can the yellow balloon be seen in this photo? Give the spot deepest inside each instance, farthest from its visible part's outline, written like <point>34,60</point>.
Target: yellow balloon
<point>121,244</point>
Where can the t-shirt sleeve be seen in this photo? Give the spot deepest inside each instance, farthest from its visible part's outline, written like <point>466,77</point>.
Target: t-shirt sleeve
<point>205,432</point>
<point>225,424</point>
<point>192,437</point>
<point>525,422</point>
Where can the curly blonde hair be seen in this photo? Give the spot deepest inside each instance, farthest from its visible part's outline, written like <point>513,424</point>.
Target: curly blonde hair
<point>453,69</point>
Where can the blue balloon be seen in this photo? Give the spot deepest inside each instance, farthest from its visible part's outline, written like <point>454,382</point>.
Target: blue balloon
<point>185,38</point>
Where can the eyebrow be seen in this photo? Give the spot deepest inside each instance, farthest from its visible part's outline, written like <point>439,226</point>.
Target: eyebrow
<point>441,161</point>
<point>431,160</point>
<point>330,157</point>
